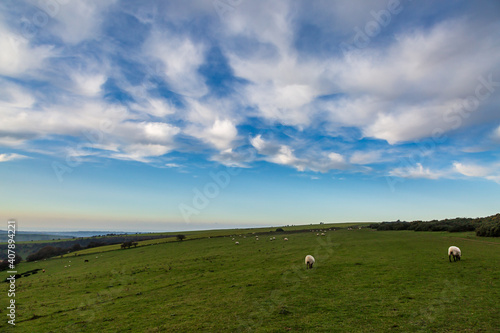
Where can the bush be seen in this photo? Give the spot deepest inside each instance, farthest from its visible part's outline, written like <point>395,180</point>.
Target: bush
<point>4,264</point>
<point>489,229</point>
<point>487,226</point>
<point>181,237</point>
<point>46,252</point>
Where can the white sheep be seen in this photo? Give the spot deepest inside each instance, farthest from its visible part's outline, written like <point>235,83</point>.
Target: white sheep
<point>285,239</point>
<point>237,243</point>
<point>455,252</point>
<point>310,261</point>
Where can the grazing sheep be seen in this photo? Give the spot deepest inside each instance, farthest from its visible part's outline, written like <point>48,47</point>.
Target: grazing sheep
<point>237,243</point>
<point>322,234</point>
<point>455,252</point>
<point>285,239</point>
<point>86,260</point>
<point>310,261</point>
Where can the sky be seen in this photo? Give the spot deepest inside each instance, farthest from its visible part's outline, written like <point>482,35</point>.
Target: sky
<point>182,115</point>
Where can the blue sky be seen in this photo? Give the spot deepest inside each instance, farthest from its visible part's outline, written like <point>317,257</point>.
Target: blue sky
<point>170,115</point>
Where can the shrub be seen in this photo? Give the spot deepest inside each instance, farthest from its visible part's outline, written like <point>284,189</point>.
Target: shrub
<point>489,229</point>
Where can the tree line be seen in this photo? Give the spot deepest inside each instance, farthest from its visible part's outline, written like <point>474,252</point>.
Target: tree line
<point>483,226</point>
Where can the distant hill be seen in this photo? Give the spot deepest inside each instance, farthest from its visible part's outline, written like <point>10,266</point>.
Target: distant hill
<point>26,236</point>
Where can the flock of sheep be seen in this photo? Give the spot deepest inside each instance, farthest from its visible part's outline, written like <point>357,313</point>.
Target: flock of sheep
<point>453,251</point>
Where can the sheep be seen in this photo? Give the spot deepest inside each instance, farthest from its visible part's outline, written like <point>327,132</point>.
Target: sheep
<point>86,260</point>
<point>310,261</point>
<point>285,239</point>
<point>455,252</point>
<point>237,243</point>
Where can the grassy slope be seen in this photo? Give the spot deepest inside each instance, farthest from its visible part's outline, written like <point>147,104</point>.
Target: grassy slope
<point>363,281</point>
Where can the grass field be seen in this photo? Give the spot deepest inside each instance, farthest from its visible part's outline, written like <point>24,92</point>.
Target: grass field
<point>363,281</point>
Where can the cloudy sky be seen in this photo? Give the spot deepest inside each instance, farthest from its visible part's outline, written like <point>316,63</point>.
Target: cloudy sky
<point>175,115</point>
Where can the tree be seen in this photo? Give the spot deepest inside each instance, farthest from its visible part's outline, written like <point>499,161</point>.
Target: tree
<point>127,245</point>
<point>76,247</point>
<point>181,237</point>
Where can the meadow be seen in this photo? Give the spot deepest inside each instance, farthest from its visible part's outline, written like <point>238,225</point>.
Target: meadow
<point>363,281</point>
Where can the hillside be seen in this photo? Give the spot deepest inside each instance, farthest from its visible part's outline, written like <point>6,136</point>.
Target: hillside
<point>363,280</point>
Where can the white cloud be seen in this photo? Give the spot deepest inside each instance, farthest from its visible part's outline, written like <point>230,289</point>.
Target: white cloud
<point>154,106</point>
<point>472,170</point>
<point>489,172</point>
<point>417,171</point>
<point>398,89</point>
<point>282,85</point>
<point>11,157</point>
<point>496,134</point>
<point>235,158</point>
<point>285,155</point>
<point>158,132</point>
<point>365,157</point>
<point>142,152</point>
<point>408,89</point>
<point>222,134</point>
<point>181,58</point>
<point>88,84</point>
<point>77,21</point>
<point>18,56</point>
<point>172,165</point>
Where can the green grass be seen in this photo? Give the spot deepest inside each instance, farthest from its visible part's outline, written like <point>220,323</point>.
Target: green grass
<point>363,281</point>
